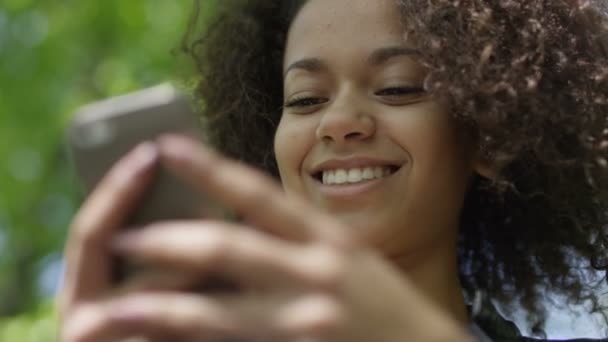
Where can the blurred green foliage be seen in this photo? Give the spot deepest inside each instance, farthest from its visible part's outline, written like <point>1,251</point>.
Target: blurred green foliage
<point>56,55</point>
<point>36,326</point>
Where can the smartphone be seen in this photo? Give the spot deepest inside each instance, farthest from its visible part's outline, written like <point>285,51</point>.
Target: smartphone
<point>102,132</point>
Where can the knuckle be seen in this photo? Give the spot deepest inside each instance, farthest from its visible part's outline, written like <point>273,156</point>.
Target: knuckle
<point>221,238</point>
<point>83,235</point>
<point>120,175</point>
<point>330,316</point>
<point>333,312</point>
<point>214,244</point>
<point>82,230</point>
<point>329,263</point>
<point>316,314</point>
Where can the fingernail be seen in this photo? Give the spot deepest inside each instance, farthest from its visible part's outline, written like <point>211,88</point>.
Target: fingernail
<point>135,163</point>
<point>128,169</point>
<point>143,156</point>
<point>182,147</point>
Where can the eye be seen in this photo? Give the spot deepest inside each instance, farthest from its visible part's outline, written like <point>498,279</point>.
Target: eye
<point>400,91</point>
<point>299,102</point>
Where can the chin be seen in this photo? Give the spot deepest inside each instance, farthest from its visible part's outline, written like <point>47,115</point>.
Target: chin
<point>369,230</point>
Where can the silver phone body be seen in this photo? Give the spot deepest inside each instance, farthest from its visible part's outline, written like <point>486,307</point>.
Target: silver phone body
<point>102,132</point>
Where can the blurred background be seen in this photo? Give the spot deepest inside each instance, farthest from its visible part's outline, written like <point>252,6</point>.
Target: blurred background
<point>56,55</point>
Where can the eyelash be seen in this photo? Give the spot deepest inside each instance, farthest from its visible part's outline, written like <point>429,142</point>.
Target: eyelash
<point>400,91</point>
<point>304,101</point>
<point>392,91</point>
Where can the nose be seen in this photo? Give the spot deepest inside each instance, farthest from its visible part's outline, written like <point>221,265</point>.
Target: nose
<point>346,120</point>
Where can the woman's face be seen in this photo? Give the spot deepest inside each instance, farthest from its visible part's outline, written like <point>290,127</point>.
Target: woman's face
<point>359,137</point>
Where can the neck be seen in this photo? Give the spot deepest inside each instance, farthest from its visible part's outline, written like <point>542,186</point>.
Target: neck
<point>434,271</point>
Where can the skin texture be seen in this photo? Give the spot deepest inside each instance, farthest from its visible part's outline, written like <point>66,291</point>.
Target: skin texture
<point>355,119</point>
<point>351,108</point>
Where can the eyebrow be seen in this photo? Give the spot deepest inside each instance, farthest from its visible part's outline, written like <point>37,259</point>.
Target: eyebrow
<point>382,55</point>
<point>377,57</point>
<point>307,64</point>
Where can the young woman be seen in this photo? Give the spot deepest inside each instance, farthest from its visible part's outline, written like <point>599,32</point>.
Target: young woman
<point>426,151</point>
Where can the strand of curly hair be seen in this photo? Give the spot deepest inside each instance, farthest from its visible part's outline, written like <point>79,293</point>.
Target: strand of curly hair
<point>528,78</point>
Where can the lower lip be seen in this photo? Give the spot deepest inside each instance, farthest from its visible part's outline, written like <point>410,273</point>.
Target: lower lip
<point>352,189</point>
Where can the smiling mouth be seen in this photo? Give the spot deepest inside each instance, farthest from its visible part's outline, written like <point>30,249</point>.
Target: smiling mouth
<point>354,175</point>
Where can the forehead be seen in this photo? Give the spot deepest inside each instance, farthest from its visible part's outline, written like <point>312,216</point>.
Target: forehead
<point>323,25</point>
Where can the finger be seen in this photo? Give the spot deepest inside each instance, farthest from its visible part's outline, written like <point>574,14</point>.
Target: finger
<point>89,322</point>
<point>318,315</point>
<point>247,255</point>
<point>259,318</point>
<point>179,315</point>
<point>88,262</point>
<point>251,193</point>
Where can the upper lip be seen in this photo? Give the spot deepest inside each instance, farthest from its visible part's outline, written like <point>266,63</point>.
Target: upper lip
<point>351,163</point>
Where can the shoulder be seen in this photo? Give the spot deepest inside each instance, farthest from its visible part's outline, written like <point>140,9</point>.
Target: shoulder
<point>490,324</point>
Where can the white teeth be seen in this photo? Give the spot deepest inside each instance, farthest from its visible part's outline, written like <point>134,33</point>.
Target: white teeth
<point>356,175</point>
<point>341,176</point>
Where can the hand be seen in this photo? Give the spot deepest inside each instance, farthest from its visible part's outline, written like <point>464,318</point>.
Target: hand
<point>311,278</point>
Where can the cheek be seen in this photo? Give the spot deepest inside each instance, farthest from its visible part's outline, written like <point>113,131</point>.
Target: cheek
<point>431,136</point>
<point>441,164</point>
<point>292,143</point>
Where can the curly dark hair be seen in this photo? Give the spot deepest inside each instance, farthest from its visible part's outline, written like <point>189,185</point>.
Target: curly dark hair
<point>529,78</point>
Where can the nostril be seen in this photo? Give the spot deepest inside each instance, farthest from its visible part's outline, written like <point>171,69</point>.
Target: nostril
<point>353,135</point>
<point>342,135</point>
